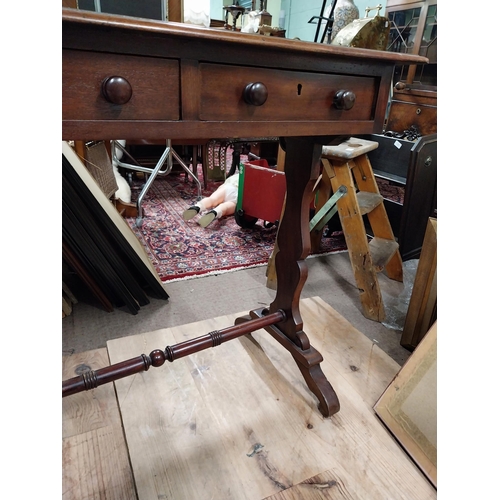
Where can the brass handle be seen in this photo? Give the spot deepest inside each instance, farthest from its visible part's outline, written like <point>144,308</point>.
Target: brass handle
<point>377,8</point>
<point>116,90</point>
<point>255,94</point>
<point>344,99</point>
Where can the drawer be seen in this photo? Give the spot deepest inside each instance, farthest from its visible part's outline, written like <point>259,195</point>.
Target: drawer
<point>404,115</point>
<point>291,95</point>
<point>152,82</point>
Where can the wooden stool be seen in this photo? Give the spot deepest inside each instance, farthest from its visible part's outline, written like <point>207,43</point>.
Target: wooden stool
<point>347,164</point>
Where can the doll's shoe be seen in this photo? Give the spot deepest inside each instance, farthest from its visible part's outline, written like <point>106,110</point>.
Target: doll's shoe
<point>206,219</point>
<point>190,212</point>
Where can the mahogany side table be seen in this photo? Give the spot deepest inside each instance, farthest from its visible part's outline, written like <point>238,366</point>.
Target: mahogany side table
<point>133,78</point>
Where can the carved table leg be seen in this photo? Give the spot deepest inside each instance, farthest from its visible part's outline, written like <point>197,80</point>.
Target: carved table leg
<point>302,164</point>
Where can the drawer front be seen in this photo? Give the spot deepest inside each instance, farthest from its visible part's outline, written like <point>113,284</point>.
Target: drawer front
<point>404,115</point>
<point>292,95</point>
<point>150,84</point>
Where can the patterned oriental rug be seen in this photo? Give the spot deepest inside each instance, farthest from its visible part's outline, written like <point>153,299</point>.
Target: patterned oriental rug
<point>181,249</point>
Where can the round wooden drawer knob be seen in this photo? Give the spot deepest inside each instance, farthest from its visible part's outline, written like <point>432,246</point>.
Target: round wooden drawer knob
<point>344,99</point>
<point>255,94</point>
<point>116,90</point>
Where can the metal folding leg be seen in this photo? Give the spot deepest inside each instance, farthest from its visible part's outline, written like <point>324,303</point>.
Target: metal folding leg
<point>159,169</point>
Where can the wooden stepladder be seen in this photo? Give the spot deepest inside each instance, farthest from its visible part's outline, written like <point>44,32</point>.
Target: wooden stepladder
<point>347,164</point>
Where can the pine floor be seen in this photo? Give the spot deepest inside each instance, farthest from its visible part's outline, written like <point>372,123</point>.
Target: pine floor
<point>236,422</point>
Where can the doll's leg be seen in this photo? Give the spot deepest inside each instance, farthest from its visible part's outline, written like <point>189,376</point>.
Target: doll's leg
<point>215,199</point>
<point>226,208</point>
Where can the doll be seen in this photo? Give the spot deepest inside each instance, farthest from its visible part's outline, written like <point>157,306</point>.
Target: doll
<point>220,203</point>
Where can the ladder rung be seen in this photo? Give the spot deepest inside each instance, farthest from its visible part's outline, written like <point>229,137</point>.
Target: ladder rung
<point>382,250</point>
<point>368,201</point>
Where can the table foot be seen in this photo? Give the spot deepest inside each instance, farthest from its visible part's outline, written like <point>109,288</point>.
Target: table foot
<point>308,361</point>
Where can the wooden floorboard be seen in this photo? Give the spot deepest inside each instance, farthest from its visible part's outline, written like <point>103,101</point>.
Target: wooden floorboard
<point>238,422</point>
<point>94,453</point>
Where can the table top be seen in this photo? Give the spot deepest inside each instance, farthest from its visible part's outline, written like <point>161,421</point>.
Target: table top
<point>183,81</point>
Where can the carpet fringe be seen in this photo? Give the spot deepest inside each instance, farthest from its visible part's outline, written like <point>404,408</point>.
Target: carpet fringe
<point>212,273</point>
<point>241,268</point>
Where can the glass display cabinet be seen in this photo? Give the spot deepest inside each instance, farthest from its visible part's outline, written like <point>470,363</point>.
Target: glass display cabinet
<point>414,31</point>
<point>414,98</point>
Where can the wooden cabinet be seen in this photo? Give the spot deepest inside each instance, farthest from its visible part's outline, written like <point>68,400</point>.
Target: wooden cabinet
<point>414,31</point>
<point>412,165</point>
<point>414,100</point>
<point>412,108</point>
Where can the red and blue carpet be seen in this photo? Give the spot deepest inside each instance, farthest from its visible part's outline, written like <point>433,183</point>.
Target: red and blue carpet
<point>182,249</point>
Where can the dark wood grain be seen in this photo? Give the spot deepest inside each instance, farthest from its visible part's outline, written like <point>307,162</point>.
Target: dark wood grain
<point>186,80</point>
<point>154,85</point>
<point>312,101</point>
<point>92,379</point>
